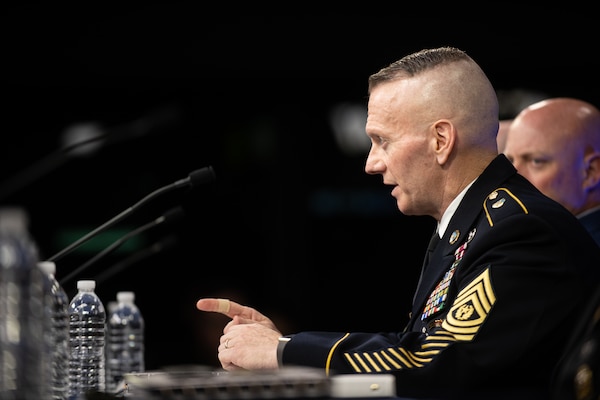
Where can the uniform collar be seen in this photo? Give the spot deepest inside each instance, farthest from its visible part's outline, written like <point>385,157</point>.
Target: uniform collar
<point>443,223</point>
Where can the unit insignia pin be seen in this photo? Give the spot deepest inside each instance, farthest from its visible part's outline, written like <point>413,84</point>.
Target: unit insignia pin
<point>493,195</point>
<point>471,234</point>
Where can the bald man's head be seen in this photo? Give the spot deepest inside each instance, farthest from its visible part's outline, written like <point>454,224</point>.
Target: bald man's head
<point>555,143</point>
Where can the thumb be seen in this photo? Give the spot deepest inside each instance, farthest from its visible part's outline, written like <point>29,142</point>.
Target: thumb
<point>237,320</point>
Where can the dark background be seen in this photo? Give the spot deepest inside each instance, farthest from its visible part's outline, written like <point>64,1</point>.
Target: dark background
<point>292,225</point>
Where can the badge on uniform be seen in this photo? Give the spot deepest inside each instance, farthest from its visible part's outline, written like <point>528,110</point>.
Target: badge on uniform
<point>437,299</point>
<point>471,308</point>
<point>454,237</point>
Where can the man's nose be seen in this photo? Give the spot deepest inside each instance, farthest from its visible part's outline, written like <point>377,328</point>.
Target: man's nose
<point>373,165</point>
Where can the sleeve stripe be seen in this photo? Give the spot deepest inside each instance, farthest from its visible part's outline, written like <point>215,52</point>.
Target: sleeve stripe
<point>466,316</point>
<point>328,363</point>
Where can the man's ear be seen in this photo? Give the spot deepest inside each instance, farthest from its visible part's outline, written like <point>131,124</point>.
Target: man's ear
<point>445,138</point>
<point>592,171</point>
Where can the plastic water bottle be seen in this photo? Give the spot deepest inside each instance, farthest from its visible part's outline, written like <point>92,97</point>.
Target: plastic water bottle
<point>87,333</point>
<point>125,344</point>
<point>57,331</point>
<point>24,367</point>
<point>110,309</point>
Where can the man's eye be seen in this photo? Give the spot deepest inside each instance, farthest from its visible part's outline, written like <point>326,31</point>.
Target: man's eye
<point>538,162</point>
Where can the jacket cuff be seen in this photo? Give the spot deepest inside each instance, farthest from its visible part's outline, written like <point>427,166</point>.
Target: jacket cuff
<point>280,346</point>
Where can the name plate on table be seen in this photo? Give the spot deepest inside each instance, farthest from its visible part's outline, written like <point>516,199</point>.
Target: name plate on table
<point>363,386</point>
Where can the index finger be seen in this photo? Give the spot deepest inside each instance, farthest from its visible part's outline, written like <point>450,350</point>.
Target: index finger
<point>224,306</point>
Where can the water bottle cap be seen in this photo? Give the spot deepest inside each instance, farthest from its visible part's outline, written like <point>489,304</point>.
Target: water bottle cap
<point>125,297</point>
<point>86,284</point>
<point>48,267</point>
<point>14,219</point>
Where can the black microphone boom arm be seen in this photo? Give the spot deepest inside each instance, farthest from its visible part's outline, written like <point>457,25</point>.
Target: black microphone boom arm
<point>200,176</point>
<point>169,217</point>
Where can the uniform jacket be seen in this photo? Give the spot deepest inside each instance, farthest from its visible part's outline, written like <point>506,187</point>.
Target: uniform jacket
<point>495,305</point>
<point>591,222</point>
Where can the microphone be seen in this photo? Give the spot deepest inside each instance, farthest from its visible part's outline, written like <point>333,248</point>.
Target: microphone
<point>195,178</point>
<point>170,216</point>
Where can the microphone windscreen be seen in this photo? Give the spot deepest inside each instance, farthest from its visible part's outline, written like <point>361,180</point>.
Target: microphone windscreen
<point>173,215</point>
<point>202,176</point>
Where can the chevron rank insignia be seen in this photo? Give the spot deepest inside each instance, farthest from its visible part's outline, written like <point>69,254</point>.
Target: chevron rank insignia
<point>471,308</point>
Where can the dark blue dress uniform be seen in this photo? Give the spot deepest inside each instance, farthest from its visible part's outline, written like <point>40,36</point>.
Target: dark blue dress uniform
<point>578,375</point>
<point>591,222</point>
<point>495,305</point>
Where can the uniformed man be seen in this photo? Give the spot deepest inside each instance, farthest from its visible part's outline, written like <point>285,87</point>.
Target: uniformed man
<point>506,281</point>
